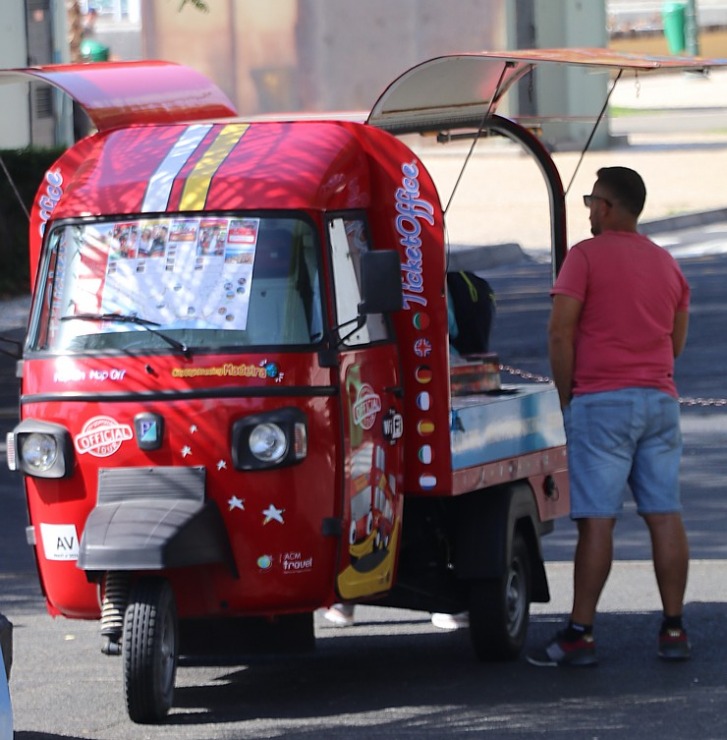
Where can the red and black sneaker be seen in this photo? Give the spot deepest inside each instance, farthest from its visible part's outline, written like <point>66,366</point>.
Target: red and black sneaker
<point>561,652</point>
<point>674,644</point>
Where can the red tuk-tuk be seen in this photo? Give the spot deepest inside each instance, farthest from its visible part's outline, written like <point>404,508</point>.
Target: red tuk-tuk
<point>236,400</point>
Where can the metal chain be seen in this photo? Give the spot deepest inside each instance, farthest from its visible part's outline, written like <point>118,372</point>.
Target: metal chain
<point>703,401</point>
<point>525,375</point>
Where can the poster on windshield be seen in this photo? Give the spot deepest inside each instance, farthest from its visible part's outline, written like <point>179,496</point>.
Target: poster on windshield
<point>177,272</point>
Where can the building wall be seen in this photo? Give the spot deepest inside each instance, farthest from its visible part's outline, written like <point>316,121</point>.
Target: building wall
<point>570,90</point>
<point>315,55</point>
<point>348,57</point>
<point>202,41</point>
<point>15,120</point>
<point>327,55</point>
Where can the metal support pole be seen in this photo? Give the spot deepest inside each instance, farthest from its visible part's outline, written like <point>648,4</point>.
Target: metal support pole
<point>691,28</point>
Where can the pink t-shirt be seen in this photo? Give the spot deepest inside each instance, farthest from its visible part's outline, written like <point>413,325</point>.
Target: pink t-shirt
<point>631,290</point>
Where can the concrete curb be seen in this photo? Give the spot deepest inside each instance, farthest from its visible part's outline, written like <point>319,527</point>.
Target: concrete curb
<point>683,221</point>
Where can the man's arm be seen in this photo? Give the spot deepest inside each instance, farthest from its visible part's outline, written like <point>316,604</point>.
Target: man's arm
<point>679,333</point>
<point>561,340</point>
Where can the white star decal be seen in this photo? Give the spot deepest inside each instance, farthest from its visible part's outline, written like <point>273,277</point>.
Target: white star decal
<point>273,513</point>
<point>236,503</point>
<point>221,465</point>
<point>186,450</point>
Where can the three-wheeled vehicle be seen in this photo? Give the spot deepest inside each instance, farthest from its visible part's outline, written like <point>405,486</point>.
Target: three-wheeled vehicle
<point>237,401</point>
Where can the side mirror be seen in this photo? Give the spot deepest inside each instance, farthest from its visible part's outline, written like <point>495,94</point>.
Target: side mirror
<point>381,290</point>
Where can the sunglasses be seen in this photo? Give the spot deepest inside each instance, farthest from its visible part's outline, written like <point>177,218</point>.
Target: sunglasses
<point>588,199</point>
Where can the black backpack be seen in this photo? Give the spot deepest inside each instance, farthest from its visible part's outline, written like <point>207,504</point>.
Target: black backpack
<point>473,301</point>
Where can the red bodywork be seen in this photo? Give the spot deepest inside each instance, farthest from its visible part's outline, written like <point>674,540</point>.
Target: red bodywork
<point>273,518</point>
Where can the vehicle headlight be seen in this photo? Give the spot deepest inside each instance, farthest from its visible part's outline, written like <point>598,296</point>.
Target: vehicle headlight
<point>268,443</point>
<point>40,449</point>
<point>271,439</point>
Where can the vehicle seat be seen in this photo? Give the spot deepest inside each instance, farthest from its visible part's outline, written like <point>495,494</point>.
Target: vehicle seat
<point>276,314</point>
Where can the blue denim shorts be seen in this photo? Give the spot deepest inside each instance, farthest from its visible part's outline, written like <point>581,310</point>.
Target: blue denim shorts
<point>621,441</point>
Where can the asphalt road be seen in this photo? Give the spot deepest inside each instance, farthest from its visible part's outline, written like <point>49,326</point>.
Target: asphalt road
<point>393,675</point>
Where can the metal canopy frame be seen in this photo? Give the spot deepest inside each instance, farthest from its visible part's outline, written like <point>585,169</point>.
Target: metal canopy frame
<point>459,90</point>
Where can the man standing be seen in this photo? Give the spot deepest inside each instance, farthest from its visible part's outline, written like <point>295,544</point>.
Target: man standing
<point>619,318</point>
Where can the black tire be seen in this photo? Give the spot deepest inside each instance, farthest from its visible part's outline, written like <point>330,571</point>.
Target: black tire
<point>500,608</point>
<point>150,650</point>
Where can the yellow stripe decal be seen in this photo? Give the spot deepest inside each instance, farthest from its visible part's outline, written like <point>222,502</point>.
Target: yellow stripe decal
<point>198,182</point>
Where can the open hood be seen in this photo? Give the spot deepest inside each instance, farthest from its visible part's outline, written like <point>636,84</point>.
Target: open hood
<point>117,94</point>
<point>460,90</point>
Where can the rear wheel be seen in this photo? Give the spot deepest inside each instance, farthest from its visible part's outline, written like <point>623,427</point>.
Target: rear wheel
<point>150,648</point>
<point>500,608</point>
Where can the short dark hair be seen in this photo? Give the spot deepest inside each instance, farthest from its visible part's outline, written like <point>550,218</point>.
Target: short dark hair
<point>625,186</point>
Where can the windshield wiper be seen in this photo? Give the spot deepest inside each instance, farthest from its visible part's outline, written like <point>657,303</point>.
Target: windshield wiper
<point>131,319</point>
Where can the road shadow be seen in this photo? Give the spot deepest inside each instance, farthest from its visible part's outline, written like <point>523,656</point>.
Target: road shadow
<point>370,675</point>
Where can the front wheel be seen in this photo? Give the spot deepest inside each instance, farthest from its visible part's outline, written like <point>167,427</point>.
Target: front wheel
<point>500,608</point>
<point>150,645</point>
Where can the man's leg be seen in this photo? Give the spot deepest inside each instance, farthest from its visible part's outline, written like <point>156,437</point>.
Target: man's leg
<point>655,484</point>
<point>575,645</point>
<point>594,553</point>
<point>670,551</point>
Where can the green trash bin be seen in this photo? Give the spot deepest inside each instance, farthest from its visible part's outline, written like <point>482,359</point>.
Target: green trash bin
<point>674,18</point>
<point>94,51</point>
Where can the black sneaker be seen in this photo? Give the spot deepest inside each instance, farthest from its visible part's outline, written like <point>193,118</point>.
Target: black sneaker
<point>674,645</point>
<point>559,652</point>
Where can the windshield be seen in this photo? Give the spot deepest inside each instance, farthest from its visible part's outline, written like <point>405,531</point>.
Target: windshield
<point>160,283</point>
